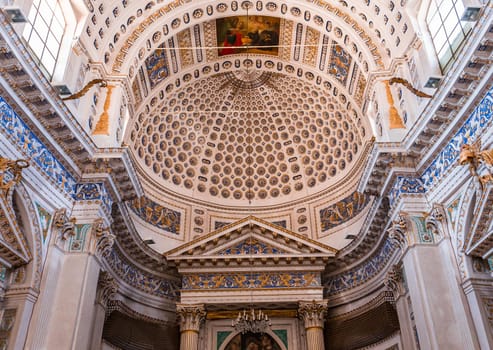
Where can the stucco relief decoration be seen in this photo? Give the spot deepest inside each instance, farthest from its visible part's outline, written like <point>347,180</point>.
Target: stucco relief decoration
<point>362,272</point>
<point>157,215</point>
<point>471,155</point>
<point>251,246</point>
<point>10,174</point>
<point>251,280</point>
<point>343,211</point>
<point>93,192</point>
<point>141,280</point>
<point>479,119</point>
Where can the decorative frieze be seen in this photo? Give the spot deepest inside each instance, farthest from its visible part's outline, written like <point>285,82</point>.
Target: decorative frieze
<point>251,280</point>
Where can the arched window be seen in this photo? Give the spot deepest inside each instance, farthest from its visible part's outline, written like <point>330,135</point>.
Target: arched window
<point>447,29</point>
<point>44,33</point>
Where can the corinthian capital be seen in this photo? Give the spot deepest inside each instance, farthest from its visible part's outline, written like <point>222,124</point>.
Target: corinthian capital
<point>190,316</point>
<point>313,313</point>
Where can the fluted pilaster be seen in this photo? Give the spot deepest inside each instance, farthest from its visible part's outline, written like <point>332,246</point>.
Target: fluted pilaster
<point>313,316</point>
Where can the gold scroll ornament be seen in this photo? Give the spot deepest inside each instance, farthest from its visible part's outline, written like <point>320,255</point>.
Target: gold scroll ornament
<point>103,124</point>
<point>395,120</point>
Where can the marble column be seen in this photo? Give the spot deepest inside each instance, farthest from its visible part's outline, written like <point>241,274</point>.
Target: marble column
<point>191,317</point>
<point>313,315</point>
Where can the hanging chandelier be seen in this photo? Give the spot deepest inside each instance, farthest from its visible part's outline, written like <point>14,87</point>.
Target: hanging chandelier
<point>251,322</point>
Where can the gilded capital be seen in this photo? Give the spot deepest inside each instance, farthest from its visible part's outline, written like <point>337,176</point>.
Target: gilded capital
<point>313,313</point>
<point>190,316</point>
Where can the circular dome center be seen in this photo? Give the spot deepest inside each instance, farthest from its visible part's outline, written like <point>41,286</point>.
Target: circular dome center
<point>274,140</point>
<point>248,79</point>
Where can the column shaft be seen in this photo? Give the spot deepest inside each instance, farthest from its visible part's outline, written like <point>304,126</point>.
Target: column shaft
<point>313,316</point>
<point>315,338</point>
<point>189,340</point>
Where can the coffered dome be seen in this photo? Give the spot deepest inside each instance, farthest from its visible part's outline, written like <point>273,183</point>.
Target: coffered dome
<point>245,135</point>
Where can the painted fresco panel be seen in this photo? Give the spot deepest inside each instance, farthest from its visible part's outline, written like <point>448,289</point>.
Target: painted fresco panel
<point>236,34</point>
<point>157,215</point>
<point>342,211</point>
<point>157,66</point>
<point>339,63</point>
<point>251,341</point>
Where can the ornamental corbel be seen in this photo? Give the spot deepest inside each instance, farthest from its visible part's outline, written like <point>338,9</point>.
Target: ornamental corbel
<point>435,220</point>
<point>10,174</point>
<point>393,280</point>
<point>104,241</point>
<point>64,224</point>
<point>397,232</point>
<point>107,288</point>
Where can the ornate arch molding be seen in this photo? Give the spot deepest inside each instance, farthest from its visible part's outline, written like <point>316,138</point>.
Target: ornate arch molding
<point>477,233</point>
<point>188,17</point>
<point>14,250</point>
<point>121,306</point>
<point>352,94</point>
<point>465,214</point>
<point>31,236</point>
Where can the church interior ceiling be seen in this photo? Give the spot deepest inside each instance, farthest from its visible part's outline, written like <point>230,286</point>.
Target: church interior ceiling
<point>237,108</point>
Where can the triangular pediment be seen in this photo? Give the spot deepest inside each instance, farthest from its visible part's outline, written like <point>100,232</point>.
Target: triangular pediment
<point>254,238</point>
